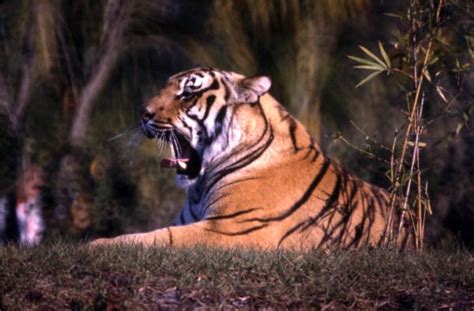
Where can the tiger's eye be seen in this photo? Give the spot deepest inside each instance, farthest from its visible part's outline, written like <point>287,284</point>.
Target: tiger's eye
<point>186,93</point>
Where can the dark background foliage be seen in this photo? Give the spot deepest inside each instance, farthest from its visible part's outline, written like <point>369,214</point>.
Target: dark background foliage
<point>73,75</point>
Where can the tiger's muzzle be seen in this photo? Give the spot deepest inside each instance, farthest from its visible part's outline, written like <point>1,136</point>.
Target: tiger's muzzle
<point>186,160</point>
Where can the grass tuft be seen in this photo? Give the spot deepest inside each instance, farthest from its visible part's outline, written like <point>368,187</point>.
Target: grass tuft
<point>67,276</point>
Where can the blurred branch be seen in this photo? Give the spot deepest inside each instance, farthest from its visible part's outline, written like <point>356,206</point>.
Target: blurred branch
<point>4,96</point>
<point>116,15</point>
<point>26,84</point>
<point>36,51</point>
<point>45,36</point>
<point>298,37</point>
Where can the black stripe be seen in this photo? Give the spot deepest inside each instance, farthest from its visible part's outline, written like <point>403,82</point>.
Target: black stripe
<point>194,197</point>
<point>371,218</point>
<point>349,209</point>
<point>195,101</point>
<point>255,103</point>
<point>290,232</point>
<point>285,117</point>
<point>326,226</point>
<point>219,121</point>
<point>233,215</point>
<point>181,218</point>
<point>209,102</point>
<point>227,91</point>
<point>315,156</point>
<point>215,85</point>
<point>243,232</point>
<point>359,231</point>
<point>307,194</point>
<point>292,130</point>
<point>382,204</point>
<point>311,148</point>
<point>246,160</point>
<point>197,95</point>
<point>213,175</point>
<point>237,181</point>
<point>334,194</point>
<point>210,204</point>
<point>193,214</point>
<point>170,235</point>
<point>327,205</point>
<point>186,125</point>
<point>221,114</point>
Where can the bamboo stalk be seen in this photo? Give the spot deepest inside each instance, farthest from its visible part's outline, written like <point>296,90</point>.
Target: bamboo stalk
<point>413,121</point>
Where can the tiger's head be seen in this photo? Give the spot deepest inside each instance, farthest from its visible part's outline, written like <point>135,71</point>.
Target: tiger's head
<point>192,111</point>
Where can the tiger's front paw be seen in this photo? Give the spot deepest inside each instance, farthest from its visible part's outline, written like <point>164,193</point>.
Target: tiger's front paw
<point>101,242</point>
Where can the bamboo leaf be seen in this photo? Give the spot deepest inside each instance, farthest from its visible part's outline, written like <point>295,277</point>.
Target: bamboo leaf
<point>420,144</point>
<point>376,67</point>
<point>434,60</point>
<point>385,55</point>
<point>394,15</point>
<point>369,77</point>
<point>363,61</point>
<point>440,92</point>
<point>372,55</point>
<point>427,75</point>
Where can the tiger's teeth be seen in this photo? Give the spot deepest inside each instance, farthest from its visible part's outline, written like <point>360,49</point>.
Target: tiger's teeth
<point>182,165</point>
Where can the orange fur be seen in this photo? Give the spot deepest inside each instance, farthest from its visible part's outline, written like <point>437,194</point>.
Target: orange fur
<point>263,182</point>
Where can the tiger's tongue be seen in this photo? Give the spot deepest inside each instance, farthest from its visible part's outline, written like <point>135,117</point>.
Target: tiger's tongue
<point>174,163</point>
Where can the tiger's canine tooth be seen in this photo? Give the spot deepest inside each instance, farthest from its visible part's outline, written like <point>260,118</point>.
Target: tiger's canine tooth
<point>182,165</point>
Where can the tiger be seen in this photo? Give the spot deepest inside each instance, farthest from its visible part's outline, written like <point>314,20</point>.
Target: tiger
<point>254,176</point>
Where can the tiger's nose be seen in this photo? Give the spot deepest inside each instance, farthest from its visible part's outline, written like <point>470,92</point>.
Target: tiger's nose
<point>147,114</point>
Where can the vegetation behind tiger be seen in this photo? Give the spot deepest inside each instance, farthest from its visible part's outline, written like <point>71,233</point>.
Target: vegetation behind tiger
<point>101,179</point>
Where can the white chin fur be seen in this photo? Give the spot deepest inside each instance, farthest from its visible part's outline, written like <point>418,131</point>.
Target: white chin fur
<point>184,182</point>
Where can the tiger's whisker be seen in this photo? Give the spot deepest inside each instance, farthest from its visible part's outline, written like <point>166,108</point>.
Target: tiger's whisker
<point>161,142</point>
<point>132,141</point>
<point>122,133</point>
<point>176,144</point>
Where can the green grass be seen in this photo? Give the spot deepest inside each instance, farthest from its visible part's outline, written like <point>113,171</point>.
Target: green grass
<point>66,276</point>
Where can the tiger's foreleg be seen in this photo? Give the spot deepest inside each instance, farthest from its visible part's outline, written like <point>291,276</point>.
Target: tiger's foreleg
<point>200,233</point>
<point>157,237</point>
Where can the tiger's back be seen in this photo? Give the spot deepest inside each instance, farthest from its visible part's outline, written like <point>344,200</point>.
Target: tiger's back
<point>291,196</point>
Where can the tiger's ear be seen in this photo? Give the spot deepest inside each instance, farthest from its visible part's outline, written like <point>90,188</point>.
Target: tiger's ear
<point>250,89</point>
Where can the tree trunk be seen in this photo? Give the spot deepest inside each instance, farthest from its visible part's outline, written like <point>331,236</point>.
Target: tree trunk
<point>114,22</point>
<point>88,95</point>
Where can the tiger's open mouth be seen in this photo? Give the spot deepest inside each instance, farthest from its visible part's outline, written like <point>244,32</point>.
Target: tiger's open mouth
<point>186,159</point>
